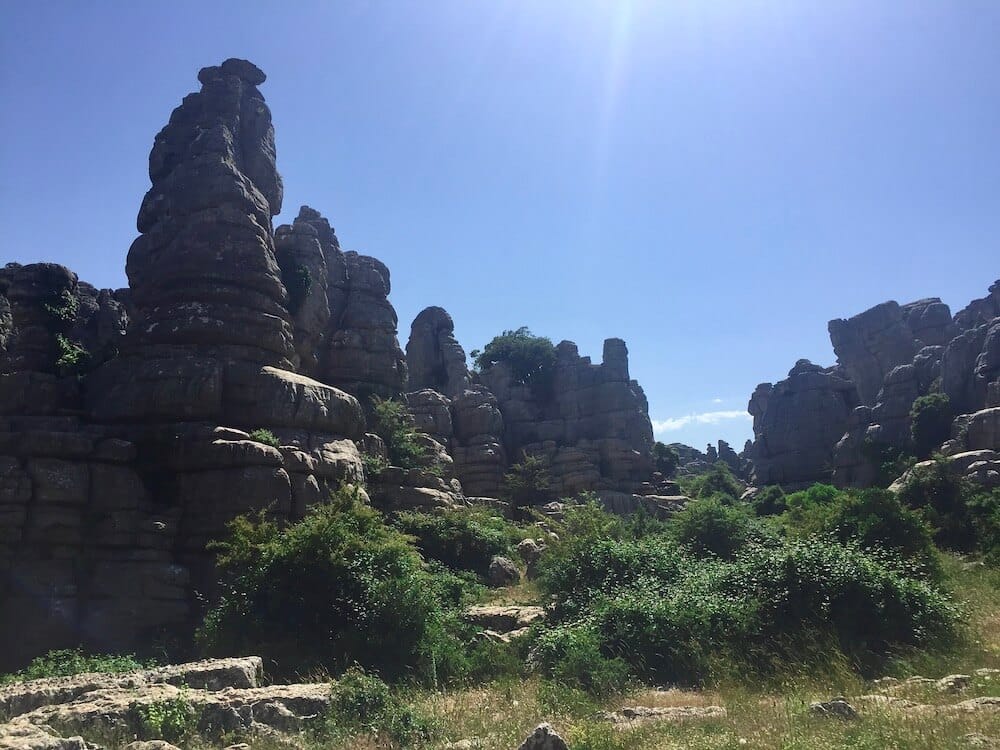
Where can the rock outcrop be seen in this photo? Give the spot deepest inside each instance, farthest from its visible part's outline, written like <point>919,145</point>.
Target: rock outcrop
<point>108,501</point>
<point>434,357</point>
<point>592,425</point>
<point>233,376</point>
<point>893,354</point>
<point>797,423</point>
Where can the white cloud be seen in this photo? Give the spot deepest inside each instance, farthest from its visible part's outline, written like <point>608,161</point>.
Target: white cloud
<point>716,400</point>
<point>708,417</point>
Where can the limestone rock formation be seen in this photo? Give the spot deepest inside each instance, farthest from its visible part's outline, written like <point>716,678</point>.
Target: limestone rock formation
<point>106,510</point>
<point>362,355</point>
<point>870,344</point>
<point>592,425</point>
<point>894,354</point>
<point>477,444</point>
<point>302,259</point>
<point>434,357</point>
<point>798,422</point>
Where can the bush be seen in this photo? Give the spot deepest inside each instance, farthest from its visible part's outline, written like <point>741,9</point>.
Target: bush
<point>674,617</point>
<point>710,527</point>
<point>889,462</point>
<point>360,702</point>
<point>942,495</point>
<point>930,423</point>
<point>768,607</point>
<point>394,424</point>
<point>338,588</point>
<point>718,480</point>
<point>460,539</point>
<point>531,359</point>
<point>170,719</point>
<point>298,281</point>
<point>527,483</point>
<point>770,501</point>
<point>875,519</point>
<point>66,662</point>
<point>266,437</point>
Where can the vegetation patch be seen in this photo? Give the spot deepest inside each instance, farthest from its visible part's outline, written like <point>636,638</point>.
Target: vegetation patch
<point>531,359</point>
<point>266,437</point>
<point>67,662</point>
<point>394,424</point>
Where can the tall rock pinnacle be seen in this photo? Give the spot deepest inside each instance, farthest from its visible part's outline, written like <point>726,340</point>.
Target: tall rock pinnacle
<point>203,272</point>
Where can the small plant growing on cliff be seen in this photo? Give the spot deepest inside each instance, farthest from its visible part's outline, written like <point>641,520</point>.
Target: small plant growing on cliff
<point>72,358</point>
<point>298,281</point>
<point>930,422</point>
<point>63,308</point>
<point>170,719</point>
<point>394,424</point>
<point>531,359</point>
<point>266,437</point>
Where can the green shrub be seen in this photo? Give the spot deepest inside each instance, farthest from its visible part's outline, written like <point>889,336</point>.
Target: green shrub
<point>672,616</point>
<point>460,539</point>
<point>62,310</point>
<point>374,464</point>
<point>170,719</point>
<point>770,501</point>
<point>266,437</point>
<point>769,606</point>
<point>711,527</point>
<point>531,359</point>
<point>526,483</point>
<point>572,656</point>
<point>718,480</point>
<point>72,359</point>
<point>362,703</point>
<point>875,519</point>
<point>66,662</point>
<point>942,495</point>
<point>930,422</point>
<point>394,424</point>
<point>889,462</point>
<point>338,588</point>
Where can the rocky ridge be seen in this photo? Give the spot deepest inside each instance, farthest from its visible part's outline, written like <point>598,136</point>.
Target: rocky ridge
<point>836,424</point>
<point>235,374</point>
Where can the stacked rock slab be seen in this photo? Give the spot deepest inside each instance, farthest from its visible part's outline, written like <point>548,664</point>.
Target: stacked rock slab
<point>357,348</point>
<point>797,422</point>
<point>895,354</point>
<point>447,406</point>
<point>592,425</point>
<point>105,511</point>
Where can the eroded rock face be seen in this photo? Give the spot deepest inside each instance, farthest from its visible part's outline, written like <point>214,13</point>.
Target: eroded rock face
<point>106,510</point>
<point>362,355</point>
<point>203,272</point>
<point>434,357</point>
<point>592,425</point>
<point>798,422</point>
<point>980,311</point>
<point>870,344</point>
<point>302,259</point>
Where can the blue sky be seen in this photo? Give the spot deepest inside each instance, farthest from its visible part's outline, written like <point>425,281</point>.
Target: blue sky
<point>711,181</point>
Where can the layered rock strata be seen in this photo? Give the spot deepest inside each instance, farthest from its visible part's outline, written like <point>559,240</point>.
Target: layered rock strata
<point>107,503</point>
